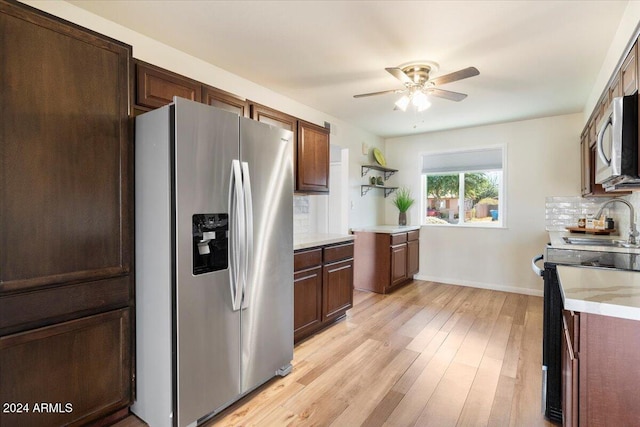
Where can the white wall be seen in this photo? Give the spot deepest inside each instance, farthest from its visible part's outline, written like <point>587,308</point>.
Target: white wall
<point>543,159</point>
<point>363,210</point>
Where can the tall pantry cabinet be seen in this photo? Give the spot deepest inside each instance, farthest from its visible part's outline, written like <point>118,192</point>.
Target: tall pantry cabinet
<point>66,218</point>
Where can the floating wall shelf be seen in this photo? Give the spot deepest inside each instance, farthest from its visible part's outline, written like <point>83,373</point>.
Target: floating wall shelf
<point>364,189</point>
<point>387,172</point>
<point>364,169</point>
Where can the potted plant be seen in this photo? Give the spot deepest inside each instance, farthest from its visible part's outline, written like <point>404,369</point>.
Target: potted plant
<point>403,201</point>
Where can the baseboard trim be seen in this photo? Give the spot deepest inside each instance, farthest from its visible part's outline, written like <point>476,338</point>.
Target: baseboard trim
<point>481,285</point>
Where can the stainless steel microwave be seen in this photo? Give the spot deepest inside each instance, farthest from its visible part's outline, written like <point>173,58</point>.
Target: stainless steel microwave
<point>617,145</point>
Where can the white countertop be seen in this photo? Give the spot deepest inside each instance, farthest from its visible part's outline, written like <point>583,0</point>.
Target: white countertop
<point>555,237</point>
<point>386,228</point>
<point>304,241</point>
<point>606,292</point>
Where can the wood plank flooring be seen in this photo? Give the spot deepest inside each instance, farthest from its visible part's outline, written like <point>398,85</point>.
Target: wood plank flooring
<point>428,354</point>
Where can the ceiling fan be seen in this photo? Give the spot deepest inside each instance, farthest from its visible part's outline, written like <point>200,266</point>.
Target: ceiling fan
<point>417,84</point>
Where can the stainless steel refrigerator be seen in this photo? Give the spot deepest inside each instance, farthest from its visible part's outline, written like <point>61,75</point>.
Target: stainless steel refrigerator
<point>214,260</point>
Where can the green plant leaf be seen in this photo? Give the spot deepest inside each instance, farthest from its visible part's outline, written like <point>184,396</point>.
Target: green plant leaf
<point>402,199</point>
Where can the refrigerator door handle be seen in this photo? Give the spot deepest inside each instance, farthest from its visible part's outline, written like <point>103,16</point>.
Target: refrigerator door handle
<point>248,249</point>
<point>236,225</point>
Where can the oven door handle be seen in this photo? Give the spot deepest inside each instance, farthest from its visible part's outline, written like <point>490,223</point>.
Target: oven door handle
<point>539,271</point>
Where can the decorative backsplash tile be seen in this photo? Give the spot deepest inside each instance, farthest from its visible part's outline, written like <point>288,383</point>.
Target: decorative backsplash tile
<point>301,214</point>
<point>300,204</point>
<point>562,212</point>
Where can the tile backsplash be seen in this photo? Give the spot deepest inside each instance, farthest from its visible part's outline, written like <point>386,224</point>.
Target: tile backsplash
<point>301,214</point>
<point>562,212</point>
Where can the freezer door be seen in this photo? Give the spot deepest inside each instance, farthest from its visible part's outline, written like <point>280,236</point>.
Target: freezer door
<point>208,329</point>
<point>267,315</point>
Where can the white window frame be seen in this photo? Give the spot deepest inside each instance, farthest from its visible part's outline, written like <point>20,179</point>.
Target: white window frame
<point>502,191</point>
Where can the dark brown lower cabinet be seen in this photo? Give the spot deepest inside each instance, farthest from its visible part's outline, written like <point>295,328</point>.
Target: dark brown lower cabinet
<point>337,292</point>
<point>323,287</point>
<point>600,374</point>
<point>307,291</point>
<point>385,261</point>
<point>70,373</point>
<point>413,256</point>
<point>398,264</point>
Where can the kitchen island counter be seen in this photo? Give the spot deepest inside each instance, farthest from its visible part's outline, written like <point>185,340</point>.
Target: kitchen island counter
<point>607,292</point>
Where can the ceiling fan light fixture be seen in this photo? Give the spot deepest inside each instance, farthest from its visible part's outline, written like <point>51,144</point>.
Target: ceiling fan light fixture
<point>419,87</point>
<point>420,101</point>
<point>403,102</point>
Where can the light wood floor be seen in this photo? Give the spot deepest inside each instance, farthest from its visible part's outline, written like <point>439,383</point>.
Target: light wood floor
<point>427,355</point>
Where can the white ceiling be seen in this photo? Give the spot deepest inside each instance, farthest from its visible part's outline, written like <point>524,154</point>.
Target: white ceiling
<point>536,58</point>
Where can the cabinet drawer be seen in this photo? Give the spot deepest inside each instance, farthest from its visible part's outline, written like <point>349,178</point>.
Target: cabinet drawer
<point>396,239</point>
<point>306,259</point>
<point>413,235</point>
<point>336,253</point>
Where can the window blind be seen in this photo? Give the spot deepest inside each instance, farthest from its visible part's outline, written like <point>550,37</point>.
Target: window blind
<point>463,161</point>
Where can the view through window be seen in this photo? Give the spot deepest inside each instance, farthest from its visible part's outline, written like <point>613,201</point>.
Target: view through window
<point>463,188</point>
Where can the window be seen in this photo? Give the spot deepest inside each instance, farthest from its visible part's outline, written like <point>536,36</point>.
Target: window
<point>464,187</point>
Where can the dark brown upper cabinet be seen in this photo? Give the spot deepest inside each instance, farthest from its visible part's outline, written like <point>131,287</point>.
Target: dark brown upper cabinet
<point>624,81</point>
<point>312,158</point>
<point>310,148</point>
<point>66,219</point>
<point>276,118</point>
<point>225,100</point>
<point>156,87</point>
<point>629,72</point>
<point>66,158</point>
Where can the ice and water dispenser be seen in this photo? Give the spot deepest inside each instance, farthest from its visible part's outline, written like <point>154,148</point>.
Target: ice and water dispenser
<point>210,242</point>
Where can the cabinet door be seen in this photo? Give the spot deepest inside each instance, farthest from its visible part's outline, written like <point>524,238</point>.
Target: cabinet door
<point>398,264</point>
<point>628,72</point>
<point>307,301</point>
<point>225,100</point>
<point>615,90</point>
<point>312,158</point>
<point>585,164</point>
<point>413,257</point>
<point>337,289</point>
<point>66,157</point>
<point>276,118</point>
<point>569,380</point>
<point>82,366</point>
<point>156,87</point>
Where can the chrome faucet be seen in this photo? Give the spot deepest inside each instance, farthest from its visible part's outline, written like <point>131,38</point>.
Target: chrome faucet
<point>633,231</point>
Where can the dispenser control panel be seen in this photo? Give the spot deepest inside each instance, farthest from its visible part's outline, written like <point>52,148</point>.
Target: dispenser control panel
<point>210,242</point>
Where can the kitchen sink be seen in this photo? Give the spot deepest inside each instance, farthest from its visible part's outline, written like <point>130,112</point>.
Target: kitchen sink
<point>594,241</point>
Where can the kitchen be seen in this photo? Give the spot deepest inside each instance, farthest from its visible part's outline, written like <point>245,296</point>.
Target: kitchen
<point>495,258</point>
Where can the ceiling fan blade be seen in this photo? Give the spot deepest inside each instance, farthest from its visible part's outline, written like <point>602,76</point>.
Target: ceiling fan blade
<point>446,94</point>
<point>399,74</point>
<point>362,95</point>
<point>457,75</point>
